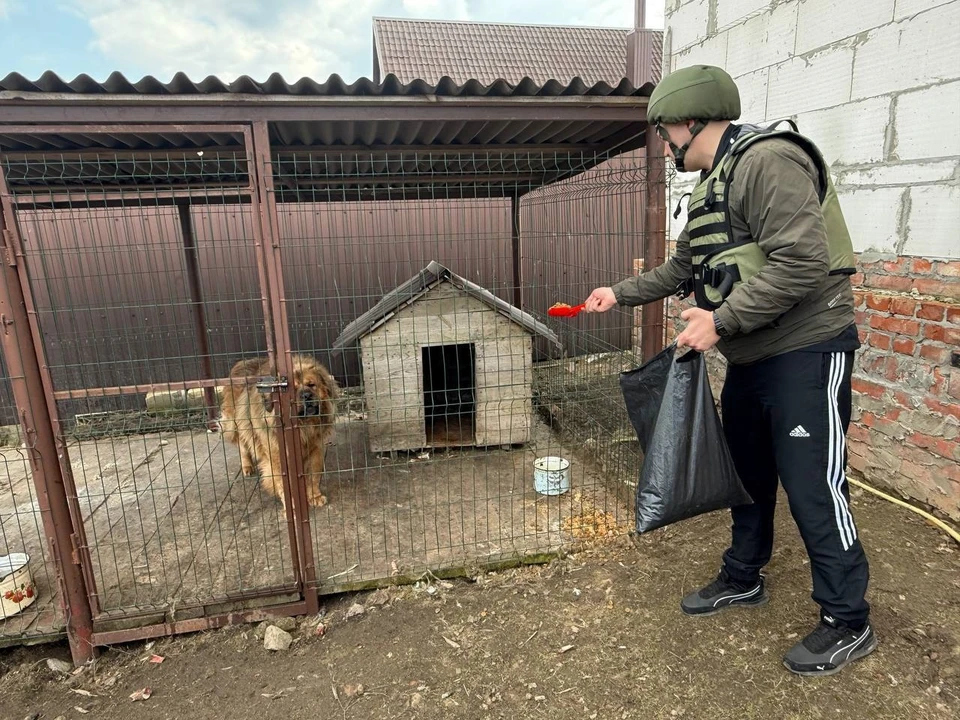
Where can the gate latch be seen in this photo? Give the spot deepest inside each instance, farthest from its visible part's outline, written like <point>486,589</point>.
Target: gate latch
<point>9,256</point>
<point>267,385</point>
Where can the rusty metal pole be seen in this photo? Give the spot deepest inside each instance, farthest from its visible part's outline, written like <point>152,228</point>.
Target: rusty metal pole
<point>291,449</point>
<point>515,244</point>
<point>654,241</point>
<point>199,315</point>
<point>20,354</point>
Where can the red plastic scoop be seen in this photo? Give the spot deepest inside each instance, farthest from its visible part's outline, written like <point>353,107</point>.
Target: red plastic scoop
<point>564,310</point>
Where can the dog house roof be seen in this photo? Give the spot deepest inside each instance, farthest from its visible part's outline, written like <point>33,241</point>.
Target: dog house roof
<point>417,286</point>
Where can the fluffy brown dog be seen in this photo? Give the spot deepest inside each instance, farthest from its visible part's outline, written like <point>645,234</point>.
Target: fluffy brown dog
<point>248,421</point>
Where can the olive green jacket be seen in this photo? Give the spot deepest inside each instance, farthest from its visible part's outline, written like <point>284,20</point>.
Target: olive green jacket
<point>792,302</point>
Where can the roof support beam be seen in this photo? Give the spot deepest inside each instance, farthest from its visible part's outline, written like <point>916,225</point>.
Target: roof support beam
<point>589,108</point>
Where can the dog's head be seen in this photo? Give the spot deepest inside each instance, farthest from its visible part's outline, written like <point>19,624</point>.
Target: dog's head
<point>316,390</point>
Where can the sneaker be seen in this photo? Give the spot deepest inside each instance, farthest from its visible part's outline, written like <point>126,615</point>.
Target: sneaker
<point>828,648</point>
<point>721,594</point>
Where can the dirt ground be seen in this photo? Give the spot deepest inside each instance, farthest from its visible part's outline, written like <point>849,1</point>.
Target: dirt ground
<point>597,635</point>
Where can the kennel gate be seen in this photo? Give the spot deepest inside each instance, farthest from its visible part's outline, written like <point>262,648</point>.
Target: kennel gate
<point>111,538</point>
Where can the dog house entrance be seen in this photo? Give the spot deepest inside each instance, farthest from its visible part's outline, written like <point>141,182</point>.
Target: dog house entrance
<point>449,394</point>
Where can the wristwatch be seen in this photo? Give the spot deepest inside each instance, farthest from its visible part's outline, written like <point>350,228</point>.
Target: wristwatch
<point>718,326</point>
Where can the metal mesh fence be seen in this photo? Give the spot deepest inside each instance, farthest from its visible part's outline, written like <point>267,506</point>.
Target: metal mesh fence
<point>456,381</point>
<point>142,307</point>
<point>470,428</point>
<point>30,607</point>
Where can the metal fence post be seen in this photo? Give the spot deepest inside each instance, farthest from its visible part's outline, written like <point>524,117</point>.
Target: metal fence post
<point>654,240</point>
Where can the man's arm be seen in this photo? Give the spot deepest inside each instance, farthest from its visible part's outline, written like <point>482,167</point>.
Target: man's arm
<point>782,209</point>
<point>660,282</point>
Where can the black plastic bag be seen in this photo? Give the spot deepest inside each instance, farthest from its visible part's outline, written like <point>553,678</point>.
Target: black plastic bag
<point>687,469</point>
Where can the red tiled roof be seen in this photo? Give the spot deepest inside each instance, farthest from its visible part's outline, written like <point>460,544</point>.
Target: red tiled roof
<point>429,50</point>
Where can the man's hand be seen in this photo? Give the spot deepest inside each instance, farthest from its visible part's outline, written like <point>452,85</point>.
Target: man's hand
<point>600,300</point>
<point>700,333</point>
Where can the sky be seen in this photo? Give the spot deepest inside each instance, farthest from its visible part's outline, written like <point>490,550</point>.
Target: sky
<point>229,38</point>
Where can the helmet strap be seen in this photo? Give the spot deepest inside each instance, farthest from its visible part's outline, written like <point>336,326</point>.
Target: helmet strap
<point>680,152</point>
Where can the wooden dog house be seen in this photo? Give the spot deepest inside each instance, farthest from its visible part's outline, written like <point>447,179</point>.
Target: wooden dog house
<point>445,363</point>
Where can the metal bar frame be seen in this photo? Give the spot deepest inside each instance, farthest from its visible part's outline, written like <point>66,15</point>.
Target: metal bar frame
<point>147,153</point>
<point>199,315</point>
<point>226,109</point>
<point>212,622</point>
<point>62,521</point>
<point>261,169</point>
<point>515,245</point>
<point>654,241</point>
<point>51,476</point>
<point>83,393</point>
<point>134,197</point>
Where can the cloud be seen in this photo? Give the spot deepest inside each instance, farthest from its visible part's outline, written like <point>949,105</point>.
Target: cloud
<point>229,38</point>
<point>296,38</point>
<point>432,9</point>
<point>7,7</point>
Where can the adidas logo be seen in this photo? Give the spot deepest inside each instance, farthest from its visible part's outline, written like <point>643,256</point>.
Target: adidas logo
<point>799,431</point>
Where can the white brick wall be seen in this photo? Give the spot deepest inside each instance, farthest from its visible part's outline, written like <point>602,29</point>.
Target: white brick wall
<point>819,81</point>
<point>934,219</point>
<point>753,95</point>
<point>876,83</point>
<point>730,11</point>
<point>906,8</point>
<point>763,40</point>
<point>825,21</point>
<point>873,217</point>
<point>899,174</point>
<point>688,25</point>
<point>919,51</point>
<point>712,51</point>
<point>924,122</point>
<point>849,134</point>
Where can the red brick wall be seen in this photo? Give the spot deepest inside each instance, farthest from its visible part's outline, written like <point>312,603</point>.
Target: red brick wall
<point>905,431</point>
<point>906,418</point>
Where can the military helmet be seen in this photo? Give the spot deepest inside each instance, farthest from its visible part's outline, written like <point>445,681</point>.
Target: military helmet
<point>699,92</point>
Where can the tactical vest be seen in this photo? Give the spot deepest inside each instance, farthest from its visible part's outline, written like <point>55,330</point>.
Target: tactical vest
<point>720,263</point>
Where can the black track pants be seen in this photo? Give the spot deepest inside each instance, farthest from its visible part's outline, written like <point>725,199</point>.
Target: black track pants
<point>787,416</point>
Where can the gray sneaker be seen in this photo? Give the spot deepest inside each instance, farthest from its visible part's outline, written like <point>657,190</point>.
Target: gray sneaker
<point>829,647</point>
<point>721,594</point>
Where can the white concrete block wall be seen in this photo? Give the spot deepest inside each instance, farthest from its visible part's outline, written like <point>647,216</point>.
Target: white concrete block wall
<point>850,134</point>
<point>876,83</point>
<point>921,50</point>
<point>763,40</point>
<point>922,117</point>
<point>820,80</point>
<point>691,25</point>
<point>933,220</point>
<point>732,12</point>
<point>873,216</point>
<point>822,22</point>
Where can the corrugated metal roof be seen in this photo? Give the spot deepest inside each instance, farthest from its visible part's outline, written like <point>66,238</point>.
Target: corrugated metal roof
<point>430,50</point>
<point>442,85</point>
<point>483,150</point>
<point>421,283</point>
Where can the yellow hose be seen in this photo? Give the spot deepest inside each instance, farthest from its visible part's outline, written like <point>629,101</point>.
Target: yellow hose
<point>936,521</point>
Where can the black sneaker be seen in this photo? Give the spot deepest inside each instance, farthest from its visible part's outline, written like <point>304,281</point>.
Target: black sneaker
<point>721,594</point>
<point>828,648</point>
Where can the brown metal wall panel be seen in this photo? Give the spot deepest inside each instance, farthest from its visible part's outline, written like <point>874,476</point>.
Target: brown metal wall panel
<point>582,234</point>
<point>112,290</point>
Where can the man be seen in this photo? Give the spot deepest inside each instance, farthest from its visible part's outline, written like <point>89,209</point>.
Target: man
<point>767,256</point>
